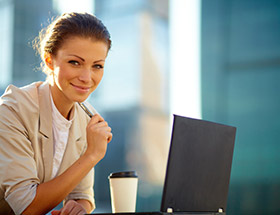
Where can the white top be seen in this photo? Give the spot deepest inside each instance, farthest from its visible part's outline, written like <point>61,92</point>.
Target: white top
<point>60,127</point>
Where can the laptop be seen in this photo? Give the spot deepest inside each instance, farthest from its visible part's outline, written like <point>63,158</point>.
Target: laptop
<point>198,168</point>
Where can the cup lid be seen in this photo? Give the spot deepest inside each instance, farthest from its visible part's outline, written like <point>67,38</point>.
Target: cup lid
<point>124,174</point>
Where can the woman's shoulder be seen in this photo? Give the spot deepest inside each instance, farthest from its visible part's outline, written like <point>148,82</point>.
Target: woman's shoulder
<point>18,98</point>
<point>13,91</point>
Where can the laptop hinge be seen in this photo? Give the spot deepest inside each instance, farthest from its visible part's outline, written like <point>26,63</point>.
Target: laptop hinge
<point>170,210</point>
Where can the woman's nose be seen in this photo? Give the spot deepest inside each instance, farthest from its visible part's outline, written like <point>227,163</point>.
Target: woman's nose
<point>85,75</point>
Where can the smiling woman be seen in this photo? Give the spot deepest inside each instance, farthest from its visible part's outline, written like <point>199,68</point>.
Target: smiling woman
<point>51,145</point>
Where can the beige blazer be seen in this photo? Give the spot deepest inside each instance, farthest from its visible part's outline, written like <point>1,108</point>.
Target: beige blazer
<point>26,146</point>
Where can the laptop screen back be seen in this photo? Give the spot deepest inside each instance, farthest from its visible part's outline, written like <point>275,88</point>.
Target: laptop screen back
<point>199,166</point>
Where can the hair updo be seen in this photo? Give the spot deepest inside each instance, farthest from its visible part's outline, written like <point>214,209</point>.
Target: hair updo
<point>68,25</point>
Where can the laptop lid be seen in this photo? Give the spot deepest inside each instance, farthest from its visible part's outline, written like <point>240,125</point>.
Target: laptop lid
<point>199,166</point>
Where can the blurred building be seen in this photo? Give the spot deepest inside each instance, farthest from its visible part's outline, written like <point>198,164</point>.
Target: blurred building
<point>6,42</point>
<point>240,86</point>
<point>20,23</point>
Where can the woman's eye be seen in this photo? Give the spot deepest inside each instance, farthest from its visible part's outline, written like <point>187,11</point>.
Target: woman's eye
<point>98,66</point>
<point>73,62</point>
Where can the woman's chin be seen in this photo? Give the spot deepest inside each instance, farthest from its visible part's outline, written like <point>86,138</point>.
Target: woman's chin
<point>80,100</point>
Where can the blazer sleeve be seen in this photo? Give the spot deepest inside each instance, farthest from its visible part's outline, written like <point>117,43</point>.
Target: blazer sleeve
<point>18,172</point>
<point>84,190</point>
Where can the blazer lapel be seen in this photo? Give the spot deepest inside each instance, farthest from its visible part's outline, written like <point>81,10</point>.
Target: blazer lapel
<point>45,128</point>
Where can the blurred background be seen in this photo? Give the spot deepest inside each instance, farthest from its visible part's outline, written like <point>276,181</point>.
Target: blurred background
<point>217,60</point>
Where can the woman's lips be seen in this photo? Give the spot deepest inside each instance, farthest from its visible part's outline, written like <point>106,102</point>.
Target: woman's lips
<point>81,89</point>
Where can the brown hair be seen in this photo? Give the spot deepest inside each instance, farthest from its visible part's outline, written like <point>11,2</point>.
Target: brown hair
<point>68,25</point>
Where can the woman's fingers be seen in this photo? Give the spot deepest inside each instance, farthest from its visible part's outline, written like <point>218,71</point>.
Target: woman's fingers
<point>73,208</point>
<point>96,118</point>
<point>110,136</point>
<point>99,134</point>
<point>98,124</point>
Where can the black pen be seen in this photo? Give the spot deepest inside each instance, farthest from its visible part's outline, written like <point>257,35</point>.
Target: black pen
<point>88,112</point>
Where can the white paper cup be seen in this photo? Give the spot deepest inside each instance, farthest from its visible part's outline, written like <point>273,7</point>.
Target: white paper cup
<point>123,189</point>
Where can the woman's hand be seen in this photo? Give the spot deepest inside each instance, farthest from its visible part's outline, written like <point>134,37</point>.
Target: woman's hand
<point>71,208</point>
<point>98,136</point>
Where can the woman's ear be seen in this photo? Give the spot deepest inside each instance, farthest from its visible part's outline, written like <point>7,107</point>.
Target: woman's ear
<point>48,60</point>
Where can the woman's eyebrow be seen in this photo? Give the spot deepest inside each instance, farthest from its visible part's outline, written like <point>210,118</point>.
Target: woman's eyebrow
<point>82,59</point>
<point>98,61</point>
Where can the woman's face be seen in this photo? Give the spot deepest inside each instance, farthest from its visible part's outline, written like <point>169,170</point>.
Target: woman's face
<point>77,69</point>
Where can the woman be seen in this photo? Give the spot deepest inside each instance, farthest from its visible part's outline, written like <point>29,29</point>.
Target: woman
<point>49,145</point>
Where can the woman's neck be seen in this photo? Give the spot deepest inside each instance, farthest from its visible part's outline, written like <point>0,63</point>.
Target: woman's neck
<point>62,104</point>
